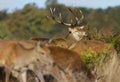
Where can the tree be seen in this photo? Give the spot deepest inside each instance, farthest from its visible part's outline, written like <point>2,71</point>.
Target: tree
<point>50,3</point>
<point>3,14</point>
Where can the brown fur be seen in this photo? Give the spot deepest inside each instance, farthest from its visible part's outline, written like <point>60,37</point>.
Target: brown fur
<point>68,59</point>
<point>53,42</point>
<point>16,55</point>
<point>92,46</point>
<point>39,39</point>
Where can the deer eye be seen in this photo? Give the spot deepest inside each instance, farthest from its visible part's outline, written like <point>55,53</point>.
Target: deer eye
<point>70,32</point>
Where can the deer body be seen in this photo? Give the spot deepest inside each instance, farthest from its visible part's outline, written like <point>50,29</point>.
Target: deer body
<point>71,62</point>
<point>16,58</point>
<point>92,45</point>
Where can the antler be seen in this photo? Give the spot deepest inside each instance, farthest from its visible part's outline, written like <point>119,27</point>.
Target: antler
<point>60,18</point>
<point>78,20</point>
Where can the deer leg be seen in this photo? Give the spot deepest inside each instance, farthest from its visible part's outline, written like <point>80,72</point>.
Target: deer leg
<point>22,77</point>
<point>35,68</point>
<point>39,74</point>
<point>63,75</point>
<point>7,74</point>
<point>56,73</point>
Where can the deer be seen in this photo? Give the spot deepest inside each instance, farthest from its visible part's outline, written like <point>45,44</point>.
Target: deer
<point>17,58</point>
<point>76,31</point>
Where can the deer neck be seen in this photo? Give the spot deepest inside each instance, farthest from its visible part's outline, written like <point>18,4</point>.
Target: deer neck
<point>71,41</point>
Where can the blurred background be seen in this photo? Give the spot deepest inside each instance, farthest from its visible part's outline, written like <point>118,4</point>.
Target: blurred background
<point>23,19</point>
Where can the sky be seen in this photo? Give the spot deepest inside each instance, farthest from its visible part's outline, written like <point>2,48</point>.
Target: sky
<point>11,5</point>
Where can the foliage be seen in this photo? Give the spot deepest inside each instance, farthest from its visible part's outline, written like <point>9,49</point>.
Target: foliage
<point>88,58</point>
<point>94,59</point>
<point>115,42</point>
<point>3,15</point>
<point>4,32</point>
<point>29,22</point>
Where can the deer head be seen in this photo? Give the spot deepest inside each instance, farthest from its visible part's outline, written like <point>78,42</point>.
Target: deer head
<point>44,53</point>
<point>76,29</point>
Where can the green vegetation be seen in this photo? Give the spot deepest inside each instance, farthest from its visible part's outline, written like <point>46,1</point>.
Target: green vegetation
<point>95,59</point>
<point>88,58</point>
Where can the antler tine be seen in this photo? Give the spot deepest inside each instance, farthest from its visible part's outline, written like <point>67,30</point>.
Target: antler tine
<point>78,21</point>
<point>60,18</point>
<point>82,17</point>
<point>52,11</point>
<point>76,18</point>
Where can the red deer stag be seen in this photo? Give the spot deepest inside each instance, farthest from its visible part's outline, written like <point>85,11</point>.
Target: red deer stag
<point>76,30</point>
